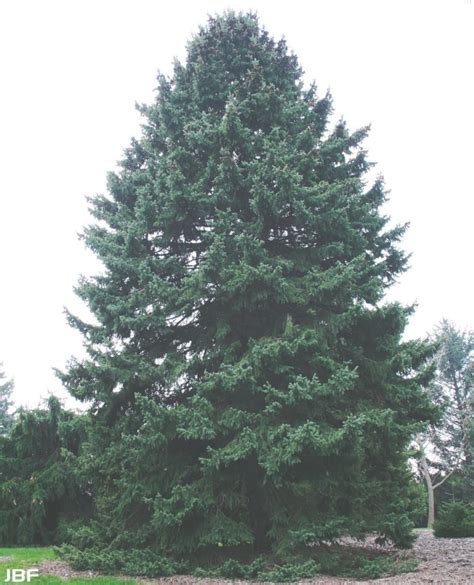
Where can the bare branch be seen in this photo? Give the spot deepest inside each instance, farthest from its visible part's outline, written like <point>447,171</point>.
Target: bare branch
<point>444,478</point>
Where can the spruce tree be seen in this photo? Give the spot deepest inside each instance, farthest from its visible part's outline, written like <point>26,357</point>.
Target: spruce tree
<point>250,390</point>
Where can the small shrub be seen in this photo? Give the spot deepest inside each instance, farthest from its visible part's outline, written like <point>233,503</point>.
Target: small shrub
<point>261,570</point>
<point>363,564</point>
<point>376,568</point>
<point>455,520</point>
<point>289,572</point>
<point>143,563</point>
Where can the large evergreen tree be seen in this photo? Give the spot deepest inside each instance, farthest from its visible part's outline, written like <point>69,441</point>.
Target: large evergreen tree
<point>250,390</point>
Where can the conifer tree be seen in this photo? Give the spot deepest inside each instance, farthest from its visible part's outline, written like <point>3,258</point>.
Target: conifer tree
<point>6,389</point>
<point>446,450</point>
<point>251,391</point>
<point>453,391</point>
<point>40,489</point>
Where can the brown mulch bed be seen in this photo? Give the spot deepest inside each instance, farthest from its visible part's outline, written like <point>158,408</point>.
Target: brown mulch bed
<point>441,560</point>
<point>61,569</point>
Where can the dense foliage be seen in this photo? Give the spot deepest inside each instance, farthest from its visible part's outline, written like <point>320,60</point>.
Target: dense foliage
<point>455,520</point>
<point>40,490</point>
<point>250,391</point>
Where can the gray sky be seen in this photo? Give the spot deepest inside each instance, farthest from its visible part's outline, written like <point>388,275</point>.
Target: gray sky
<point>72,70</point>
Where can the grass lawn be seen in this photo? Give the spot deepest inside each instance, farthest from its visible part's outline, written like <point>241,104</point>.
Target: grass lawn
<point>25,558</point>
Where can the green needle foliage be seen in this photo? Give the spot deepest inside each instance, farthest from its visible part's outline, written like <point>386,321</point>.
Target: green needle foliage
<point>40,490</point>
<point>251,392</point>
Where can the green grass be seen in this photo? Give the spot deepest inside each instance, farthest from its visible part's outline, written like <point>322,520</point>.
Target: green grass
<point>25,558</point>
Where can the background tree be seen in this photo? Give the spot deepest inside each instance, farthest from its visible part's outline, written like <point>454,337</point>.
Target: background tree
<point>6,389</point>
<point>40,489</point>
<point>250,390</point>
<point>446,450</point>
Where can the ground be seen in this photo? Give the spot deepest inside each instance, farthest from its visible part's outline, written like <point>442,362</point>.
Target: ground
<point>441,560</point>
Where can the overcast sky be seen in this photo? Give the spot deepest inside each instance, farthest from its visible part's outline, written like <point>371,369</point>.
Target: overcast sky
<point>71,72</point>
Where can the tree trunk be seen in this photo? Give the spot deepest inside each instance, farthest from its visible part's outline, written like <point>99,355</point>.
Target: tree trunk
<point>430,489</point>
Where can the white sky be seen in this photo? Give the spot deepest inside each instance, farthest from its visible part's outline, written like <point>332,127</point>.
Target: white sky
<point>72,70</point>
